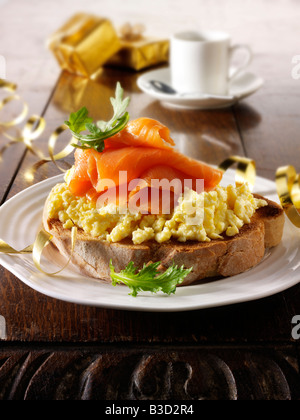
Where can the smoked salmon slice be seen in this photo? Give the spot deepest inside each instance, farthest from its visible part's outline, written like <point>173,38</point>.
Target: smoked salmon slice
<point>165,173</point>
<point>159,189</point>
<point>80,182</point>
<point>142,151</point>
<point>134,161</point>
<point>144,132</point>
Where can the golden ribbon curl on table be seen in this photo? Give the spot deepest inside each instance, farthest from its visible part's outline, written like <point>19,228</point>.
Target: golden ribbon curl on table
<point>32,130</point>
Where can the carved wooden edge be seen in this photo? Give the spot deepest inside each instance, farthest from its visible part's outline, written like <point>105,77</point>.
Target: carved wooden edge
<point>153,373</point>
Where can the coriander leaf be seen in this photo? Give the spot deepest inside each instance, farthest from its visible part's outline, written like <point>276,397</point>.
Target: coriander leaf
<point>78,120</point>
<point>149,279</point>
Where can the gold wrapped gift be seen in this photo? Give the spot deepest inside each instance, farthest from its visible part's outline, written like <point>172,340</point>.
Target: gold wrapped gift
<point>84,44</point>
<point>138,52</point>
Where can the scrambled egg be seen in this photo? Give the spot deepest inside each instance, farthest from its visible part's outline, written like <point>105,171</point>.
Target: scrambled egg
<point>199,217</point>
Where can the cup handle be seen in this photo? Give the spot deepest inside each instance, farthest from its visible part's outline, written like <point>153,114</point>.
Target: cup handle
<point>247,61</point>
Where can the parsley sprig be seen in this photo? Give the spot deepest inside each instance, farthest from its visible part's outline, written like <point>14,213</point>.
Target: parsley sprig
<point>149,279</point>
<point>101,130</point>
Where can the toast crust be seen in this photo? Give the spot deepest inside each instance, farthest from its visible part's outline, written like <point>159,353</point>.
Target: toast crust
<point>227,257</point>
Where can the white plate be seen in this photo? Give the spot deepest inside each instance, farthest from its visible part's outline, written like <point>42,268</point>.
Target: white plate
<point>241,86</point>
<point>20,220</point>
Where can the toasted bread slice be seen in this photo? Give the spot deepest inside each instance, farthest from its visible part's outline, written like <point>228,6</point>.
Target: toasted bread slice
<point>220,257</point>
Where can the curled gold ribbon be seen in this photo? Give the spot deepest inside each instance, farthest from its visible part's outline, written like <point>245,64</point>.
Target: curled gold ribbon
<point>67,150</point>
<point>42,240</point>
<point>9,86</point>
<point>32,130</point>
<point>29,133</point>
<point>21,117</point>
<point>63,153</point>
<point>288,190</point>
<point>7,249</point>
<point>12,87</point>
<point>246,169</point>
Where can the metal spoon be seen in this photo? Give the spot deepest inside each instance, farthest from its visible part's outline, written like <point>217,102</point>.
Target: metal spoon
<point>165,88</point>
<point>162,87</point>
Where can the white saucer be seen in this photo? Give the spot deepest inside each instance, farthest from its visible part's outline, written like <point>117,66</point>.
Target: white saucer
<point>243,85</point>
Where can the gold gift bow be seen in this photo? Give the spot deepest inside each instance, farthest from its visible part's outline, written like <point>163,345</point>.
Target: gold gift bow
<point>33,129</point>
<point>130,32</point>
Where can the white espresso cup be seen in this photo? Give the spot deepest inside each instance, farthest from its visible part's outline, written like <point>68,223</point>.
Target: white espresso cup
<point>200,62</point>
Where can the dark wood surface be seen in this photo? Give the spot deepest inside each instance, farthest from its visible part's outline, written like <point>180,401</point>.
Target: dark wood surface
<point>58,350</point>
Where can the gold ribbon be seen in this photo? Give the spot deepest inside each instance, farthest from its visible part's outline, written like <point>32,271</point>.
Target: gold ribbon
<point>12,87</point>
<point>32,130</point>
<point>20,118</point>
<point>29,175</point>
<point>246,170</point>
<point>5,84</point>
<point>287,183</point>
<point>7,249</point>
<point>288,190</point>
<point>43,239</point>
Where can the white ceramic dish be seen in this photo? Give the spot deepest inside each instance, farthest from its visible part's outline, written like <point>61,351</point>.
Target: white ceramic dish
<point>243,85</point>
<point>20,220</point>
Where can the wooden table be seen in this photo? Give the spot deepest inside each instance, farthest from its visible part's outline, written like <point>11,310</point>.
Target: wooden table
<point>51,349</point>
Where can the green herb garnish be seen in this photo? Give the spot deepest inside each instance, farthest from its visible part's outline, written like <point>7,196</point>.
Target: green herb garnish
<point>80,121</point>
<point>149,279</point>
